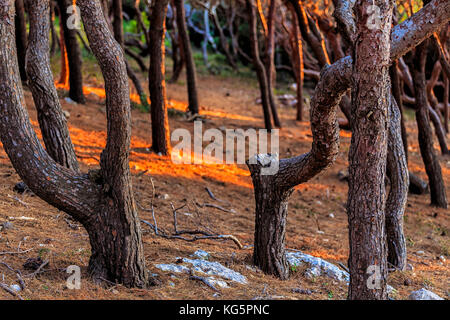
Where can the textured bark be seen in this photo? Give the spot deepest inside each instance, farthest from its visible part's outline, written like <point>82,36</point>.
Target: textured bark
<point>102,203</point>
<point>51,118</point>
<point>260,70</point>
<point>64,73</point>
<point>397,94</point>
<point>73,55</point>
<point>397,171</point>
<point>432,166</point>
<point>21,37</point>
<point>189,59</point>
<point>157,83</point>
<point>272,191</point>
<point>367,154</point>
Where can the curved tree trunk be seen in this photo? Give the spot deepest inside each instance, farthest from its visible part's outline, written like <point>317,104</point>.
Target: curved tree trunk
<point>51,118</point>
<point>102,203</point>
<point>260,70</point>
<point>21,37</point>
<point>272,191</point>
<point>73,55</point>
<point>157,83</point>
<point>189,59</point>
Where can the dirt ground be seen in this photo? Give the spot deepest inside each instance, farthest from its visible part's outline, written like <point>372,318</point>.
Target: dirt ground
<point>226,103</point>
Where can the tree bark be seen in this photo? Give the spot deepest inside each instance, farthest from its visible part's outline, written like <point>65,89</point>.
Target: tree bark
<point>260,70</point>
<point>270,62</point>
<point>367,154</point>
<point>103,203</point>
<point>157,83</point>
<point>397,171</point>
<point>21,37</point>
<point>272,191</point>
<point>189,59</point>
<point>51,118</point>
<point>432,166</point>
<point>73,55</point>
<point>118,35</point>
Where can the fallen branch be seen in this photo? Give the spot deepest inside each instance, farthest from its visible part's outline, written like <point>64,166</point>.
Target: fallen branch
<point>14,252</point>
<point>10,291</point>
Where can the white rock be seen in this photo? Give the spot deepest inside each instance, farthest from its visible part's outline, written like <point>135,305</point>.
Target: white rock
<point>201,255</point>
<point>317,265</point>
<point>331,215</point>
<point>424,294</point>
<point>15,287</point>
<point>216,269</point>
<point>173,268</point>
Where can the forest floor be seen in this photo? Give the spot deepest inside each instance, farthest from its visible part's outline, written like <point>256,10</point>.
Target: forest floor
<point>230,103</point>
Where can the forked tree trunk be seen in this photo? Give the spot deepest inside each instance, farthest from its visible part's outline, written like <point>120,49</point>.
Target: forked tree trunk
<point>367,154</point>
<point>51,118</point>
<point>157,83</point>
<point>73,54</point>
<point>104,203</point>
<point>21,37</point>
<point>189,59</point>
<point>432,166</point>
<point>273,190</point>
<point>260,70</point>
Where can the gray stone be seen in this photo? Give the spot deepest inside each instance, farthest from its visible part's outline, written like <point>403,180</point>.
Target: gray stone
<point>317,266</point>
<point>201,254</point>
<point>424,294</point>
<point>215,269</point>
<point>7,225</point>
<point>173,268</point>
<point>15,287</point>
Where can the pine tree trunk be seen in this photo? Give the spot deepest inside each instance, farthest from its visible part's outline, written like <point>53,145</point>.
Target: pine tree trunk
<point>189,59</point>
<point>260,70</point>
<point>73,55</point>
<point>157,83</point>
<point>432,166</point>
<point>367,154</point>
<point>21,37</point>
<point>51,118</point>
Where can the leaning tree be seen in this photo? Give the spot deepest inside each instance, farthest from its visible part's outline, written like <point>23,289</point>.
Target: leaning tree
<point>101,201</point>
<point>272,191</point>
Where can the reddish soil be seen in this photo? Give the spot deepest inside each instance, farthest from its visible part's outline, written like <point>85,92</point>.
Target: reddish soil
<point>228,103</point>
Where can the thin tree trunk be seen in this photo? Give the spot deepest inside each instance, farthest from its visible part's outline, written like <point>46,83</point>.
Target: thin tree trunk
<point>157,83</point>
<point>189,59</point>
<point>260,70</point>
<point>73,55</point>
<point>397,171</point>
<point>270,66</point>
<point>298,63</point>
<point>118,35</point>
<point>432,166</point>
<point>367,154</point>
<point>21,37</point>
<point>64,73</point>
<point>51,118</point>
